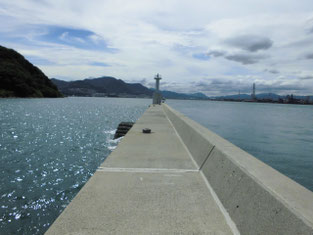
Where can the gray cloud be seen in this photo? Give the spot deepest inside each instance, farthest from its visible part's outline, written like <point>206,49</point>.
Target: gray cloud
<point>273,71</point>
<point>251,43</point>
<point>309,56</point>
<point>168,39</point>
<point>300,43</point>
<point>227,86</point>
<point>245,58</point>
<point>220,86</point>
<point>306,77</point>
<point>216,53</point>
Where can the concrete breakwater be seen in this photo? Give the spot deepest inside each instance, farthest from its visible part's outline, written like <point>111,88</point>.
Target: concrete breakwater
<point>122,129</point>
<point>259,199</point>
<point>184,179</point>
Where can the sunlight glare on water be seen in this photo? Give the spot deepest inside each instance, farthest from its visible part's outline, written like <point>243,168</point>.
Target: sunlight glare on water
<point>49,148</point>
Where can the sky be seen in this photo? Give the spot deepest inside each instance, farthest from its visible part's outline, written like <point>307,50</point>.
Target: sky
<point>217,47</point>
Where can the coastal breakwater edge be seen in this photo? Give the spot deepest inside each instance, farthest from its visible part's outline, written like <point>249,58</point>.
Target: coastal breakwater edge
<point>257,197</point>
<point>184,178</point>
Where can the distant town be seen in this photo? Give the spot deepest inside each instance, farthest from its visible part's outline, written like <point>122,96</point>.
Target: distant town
<point>112,87</point>
<point>266,98</point>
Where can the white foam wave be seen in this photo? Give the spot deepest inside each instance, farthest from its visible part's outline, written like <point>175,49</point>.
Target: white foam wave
<point>111,148</point>
<point>116,141</point>
<point>112,143</point>
<point>111,132</point>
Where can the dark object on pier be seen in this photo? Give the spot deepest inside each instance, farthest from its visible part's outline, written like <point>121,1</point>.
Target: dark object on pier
<point>146,130</point>
<point>122,129</point>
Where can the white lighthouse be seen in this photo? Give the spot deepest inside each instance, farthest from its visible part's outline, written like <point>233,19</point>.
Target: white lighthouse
<point>157,97</point>
<point>253,96</point>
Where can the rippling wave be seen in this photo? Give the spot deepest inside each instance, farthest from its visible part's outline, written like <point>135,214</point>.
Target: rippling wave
<point>49,148</point>
<point>281,135</point>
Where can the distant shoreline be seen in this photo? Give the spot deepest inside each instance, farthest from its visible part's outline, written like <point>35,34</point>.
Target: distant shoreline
<point>125,97</point>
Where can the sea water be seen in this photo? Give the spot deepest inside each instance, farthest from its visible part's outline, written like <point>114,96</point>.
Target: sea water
<point>49,148</point>
<point>281,135</point>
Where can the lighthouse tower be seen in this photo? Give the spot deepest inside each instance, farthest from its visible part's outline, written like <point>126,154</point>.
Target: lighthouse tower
<point>253,96</point>
<point>157,97</point>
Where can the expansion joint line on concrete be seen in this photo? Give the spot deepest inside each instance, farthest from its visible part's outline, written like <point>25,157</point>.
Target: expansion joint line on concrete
<point>180,139</point>
<point>145,170</point>
<point>206,158</point>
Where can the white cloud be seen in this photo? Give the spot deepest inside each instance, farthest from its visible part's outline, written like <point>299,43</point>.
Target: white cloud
<point>162,36</point>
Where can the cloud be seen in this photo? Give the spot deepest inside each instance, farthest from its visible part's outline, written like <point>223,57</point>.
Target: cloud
<point>222,86</point>
<point>69,39</point>
<point>37,60</point>
<point>250,43</point>
<point>273,71</point>
<point>245,58</point>
<point>217,87</point>
<point>309,56</point>
<point>216,53</point>
<point>309,77</point>
<point>182,40</point>
<point>201,56</point>
<point>75,37</point>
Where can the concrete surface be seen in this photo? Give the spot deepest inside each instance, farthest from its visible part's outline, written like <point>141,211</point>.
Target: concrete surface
<point>259,199</point>
<point>252,204</point>
<point>198,145</point>
<point>149,185</point>
<point>185,179</point>
<point>142,203</point>
<point>160,149</point>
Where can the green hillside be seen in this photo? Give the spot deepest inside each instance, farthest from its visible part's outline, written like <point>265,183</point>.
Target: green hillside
<point>19,78</point>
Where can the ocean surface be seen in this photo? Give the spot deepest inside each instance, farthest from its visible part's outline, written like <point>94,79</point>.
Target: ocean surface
<point>281,135</point>
<point>49,148</point>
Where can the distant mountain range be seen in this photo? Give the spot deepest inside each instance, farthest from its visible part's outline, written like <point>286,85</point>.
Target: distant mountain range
<point>175,95</point>
<point>103,86</point>
<point>110,86</point>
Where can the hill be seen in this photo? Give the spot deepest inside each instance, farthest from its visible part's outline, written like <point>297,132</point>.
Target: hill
<point>110,86</point>
<point>175,95</point>
<point>103,86</point>
<point>19,78</point>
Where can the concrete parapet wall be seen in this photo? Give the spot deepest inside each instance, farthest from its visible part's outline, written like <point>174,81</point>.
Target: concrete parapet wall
<point>259,199</point>
<point>197,144</point>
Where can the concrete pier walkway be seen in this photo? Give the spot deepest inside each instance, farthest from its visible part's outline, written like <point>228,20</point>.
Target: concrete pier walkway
<point>184,179</point>
<point>149,185</point>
